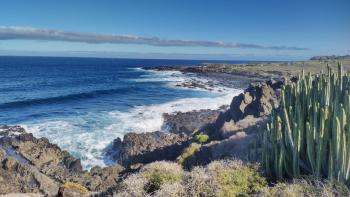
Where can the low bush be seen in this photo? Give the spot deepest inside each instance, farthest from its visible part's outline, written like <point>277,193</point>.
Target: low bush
<point>201,138</point>
<point>225,178</point>
<point>159,173</point>
<point>151,178</point>
<point>171,190</point>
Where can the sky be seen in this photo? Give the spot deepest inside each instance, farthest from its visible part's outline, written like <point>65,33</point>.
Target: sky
<point>176,29</point>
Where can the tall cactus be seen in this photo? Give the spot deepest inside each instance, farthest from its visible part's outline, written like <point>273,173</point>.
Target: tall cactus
<point>310,133</point>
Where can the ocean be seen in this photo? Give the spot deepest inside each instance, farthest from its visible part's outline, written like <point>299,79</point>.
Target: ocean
<point>83,104</point>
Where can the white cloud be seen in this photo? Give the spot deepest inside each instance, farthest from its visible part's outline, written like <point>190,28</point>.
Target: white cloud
<point>29,33</point>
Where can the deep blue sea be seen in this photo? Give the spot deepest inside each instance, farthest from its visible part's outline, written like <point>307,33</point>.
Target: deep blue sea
<point>83,104</point>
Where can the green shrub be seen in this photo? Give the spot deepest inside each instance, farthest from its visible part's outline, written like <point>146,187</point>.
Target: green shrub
<point>157,177</point>
<point>159,173</point>
<point>241,181</point>
<point>151,178</point>
<point>201,138</point>
<point>189,151</point>
<point>310,133</point>
<point>225,178</point>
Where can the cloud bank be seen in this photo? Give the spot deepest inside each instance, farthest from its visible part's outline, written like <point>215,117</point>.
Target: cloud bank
<point>29,33</point>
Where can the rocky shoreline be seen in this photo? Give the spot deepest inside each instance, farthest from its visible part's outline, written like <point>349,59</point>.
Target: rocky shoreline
<point>215,76</point>
<point>32,165</point>
<point>190,139</point>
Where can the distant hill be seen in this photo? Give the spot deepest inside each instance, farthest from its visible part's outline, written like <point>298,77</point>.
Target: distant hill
<point>331,57</point>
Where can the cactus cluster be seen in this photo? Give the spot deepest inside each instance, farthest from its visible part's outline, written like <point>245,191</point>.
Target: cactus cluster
<point>310,133</point>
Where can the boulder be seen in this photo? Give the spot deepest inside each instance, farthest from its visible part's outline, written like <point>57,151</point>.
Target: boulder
<point>147,147</point>
<point>103,178</point>
<point>190,122</point>
<point>257,100</point>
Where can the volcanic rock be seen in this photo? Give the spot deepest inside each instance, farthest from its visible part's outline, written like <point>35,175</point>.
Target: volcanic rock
<point>190,122</point>
<point>147,147</point>
<point>29,164</point>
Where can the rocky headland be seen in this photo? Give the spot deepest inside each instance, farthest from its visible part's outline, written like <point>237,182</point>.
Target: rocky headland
<point>192,139</point>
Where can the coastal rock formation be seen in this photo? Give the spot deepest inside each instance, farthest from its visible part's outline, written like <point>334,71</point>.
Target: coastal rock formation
<point>29,164</point>
<point>190,122</point>
<point>7,131</point>
<point>223,75</point>
<point>147,147</point>
<point>258,100</point>
<point>235,142</point>
<point>230,130</point>
<point>238,128</point>
<point>34,165</point>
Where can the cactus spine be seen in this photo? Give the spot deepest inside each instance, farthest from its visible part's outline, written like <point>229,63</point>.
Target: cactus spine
<point>310,133</point>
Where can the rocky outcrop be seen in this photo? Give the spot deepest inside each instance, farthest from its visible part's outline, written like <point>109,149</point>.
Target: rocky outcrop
<point>29,164</point>
<point>217,75</point>
<point>147,147</point>
<point>237,128</point>
<point>190,122</point>
<point>258,100</point>
<point>230,130</point>
<point>19,176</point>
<point>10,131</point>
<point>235,142</point>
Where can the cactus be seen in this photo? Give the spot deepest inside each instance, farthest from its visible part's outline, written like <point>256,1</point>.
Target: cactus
<point>310,133</point>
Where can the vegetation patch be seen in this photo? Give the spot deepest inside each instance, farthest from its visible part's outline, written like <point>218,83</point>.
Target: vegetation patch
<point>189,151</point>
<point>77,186</point>
<point>239,181</point>
<point>201,138</point>
<point>225,178</point>
<point>151,178</point>
<point>302,187</point>
<point>157,177</point>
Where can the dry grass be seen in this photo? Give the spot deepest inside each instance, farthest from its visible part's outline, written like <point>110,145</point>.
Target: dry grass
<point>22,195</point>
<point>310,188</point>
<point>286,69</point>
<point>219,178</point>
<point>171,190</point>
<point>223,178</point>
<point>76,186</point>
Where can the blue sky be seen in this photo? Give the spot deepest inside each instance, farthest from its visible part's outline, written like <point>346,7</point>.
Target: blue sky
<point>189,29</point>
